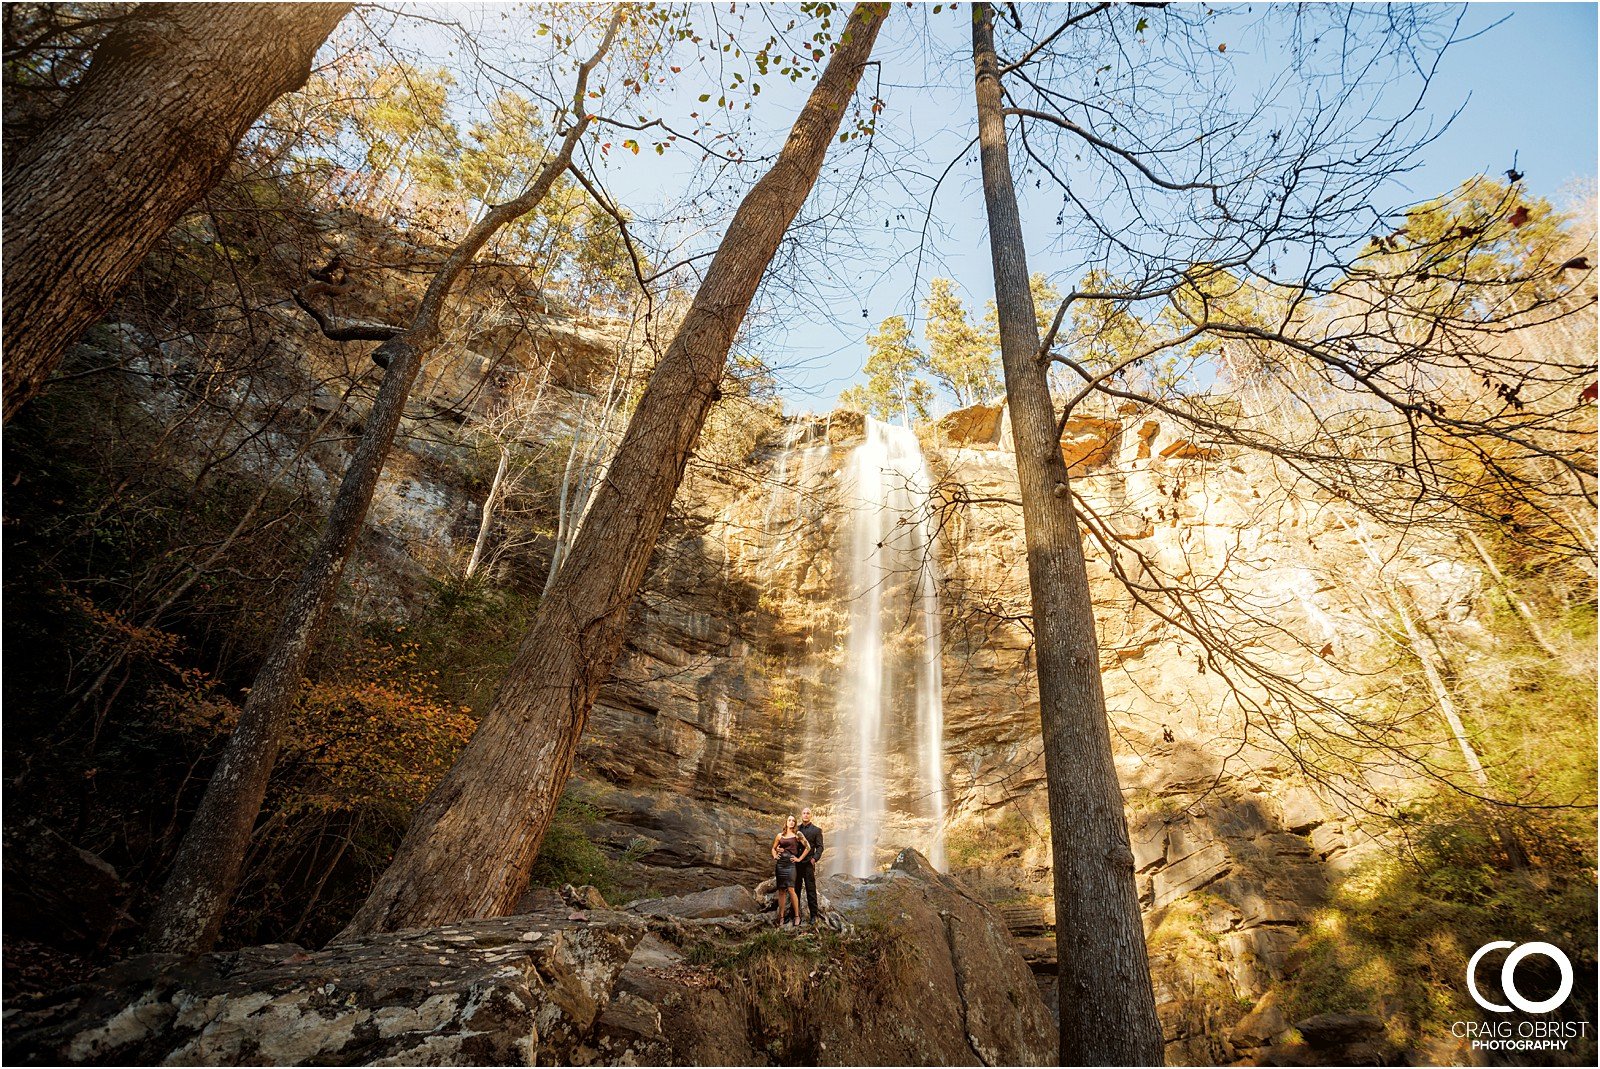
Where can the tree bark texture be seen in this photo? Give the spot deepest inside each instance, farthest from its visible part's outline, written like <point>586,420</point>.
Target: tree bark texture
<point>470,846</point>
<point>1108,1013</point>
<point>206,872</point>
<point>150,129</point>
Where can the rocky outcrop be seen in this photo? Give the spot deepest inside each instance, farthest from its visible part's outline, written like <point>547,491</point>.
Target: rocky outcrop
<point>516,991</point>
<point>1264,1023</point>
<point>1089,442</point>
<point>1003,1020</point>
<point>927,975</point>
<point>975,425</point>
<point>1333,1039</point>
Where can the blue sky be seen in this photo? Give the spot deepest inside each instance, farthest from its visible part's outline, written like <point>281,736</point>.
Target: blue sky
<point>1527,89</point>
<point>1530,87</point>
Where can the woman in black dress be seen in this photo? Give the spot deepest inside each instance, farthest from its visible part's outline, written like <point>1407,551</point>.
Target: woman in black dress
<point>789,846</point>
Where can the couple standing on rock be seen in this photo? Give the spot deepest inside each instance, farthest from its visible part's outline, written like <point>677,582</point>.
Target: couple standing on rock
<point>796,850</point>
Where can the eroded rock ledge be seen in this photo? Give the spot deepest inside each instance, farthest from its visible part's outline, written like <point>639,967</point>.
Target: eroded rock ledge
<point>926,974</point>
<point>495,992</point>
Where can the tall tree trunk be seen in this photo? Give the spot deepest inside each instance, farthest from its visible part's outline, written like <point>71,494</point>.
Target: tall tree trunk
<point>151,128</point>
<point>207,869</point>
<point>471,844</point>
<point>1108,1012</point>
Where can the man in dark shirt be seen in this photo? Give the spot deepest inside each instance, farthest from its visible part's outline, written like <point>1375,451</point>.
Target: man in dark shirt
<point>806,871</point>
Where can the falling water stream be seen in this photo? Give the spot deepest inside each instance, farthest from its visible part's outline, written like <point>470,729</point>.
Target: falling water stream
<point>873,745</point>
<point>890,578</point>
<point>783,487</point>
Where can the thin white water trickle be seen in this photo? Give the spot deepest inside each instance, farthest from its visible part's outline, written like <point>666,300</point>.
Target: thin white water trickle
<point>781,487</point>
<point>812,460</point>
<point>892,575</point>
<point>929,658</point>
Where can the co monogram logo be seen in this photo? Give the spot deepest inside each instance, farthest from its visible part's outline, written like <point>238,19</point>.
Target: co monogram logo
<point>1508,975</point>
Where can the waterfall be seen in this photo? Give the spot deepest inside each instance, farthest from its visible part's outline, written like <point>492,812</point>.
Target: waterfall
<point>848,554</point>
<point>791,499</point>
<point>781,489</point>
<point>891,581</point>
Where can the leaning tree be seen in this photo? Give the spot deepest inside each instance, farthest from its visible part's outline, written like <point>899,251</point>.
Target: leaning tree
<point>470,846</point>
<point>196,895</point>
<point>151,126</point>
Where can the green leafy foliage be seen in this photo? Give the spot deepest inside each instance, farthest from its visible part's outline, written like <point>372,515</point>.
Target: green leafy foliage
<point>408,134</point>
<point>386,138</point>
<point>1398,934</point>
<point>1046,298</point>
<point>569,855</point>
<point>1104,332</point>
<point>1483,251</point>
<point>893,392</point>
<point>962,357</point>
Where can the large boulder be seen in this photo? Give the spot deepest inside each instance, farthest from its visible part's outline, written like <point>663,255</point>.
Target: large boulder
<point>1262,1024</point>
<point>1338,1039</point>
<point>1331,1030</point>
<point>976,967</point>
<point>669,1012</point>
<point>927,975</point>
<point>511,991</point>
<point>715,902</point>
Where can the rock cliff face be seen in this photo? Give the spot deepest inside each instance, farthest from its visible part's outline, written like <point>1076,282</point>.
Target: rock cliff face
<point>1234,844</point>
<point>925,975</point>
<point>718,717</point>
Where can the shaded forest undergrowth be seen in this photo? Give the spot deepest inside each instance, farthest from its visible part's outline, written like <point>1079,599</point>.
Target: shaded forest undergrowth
<point>1396,935</point>
<point>150,545</point>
